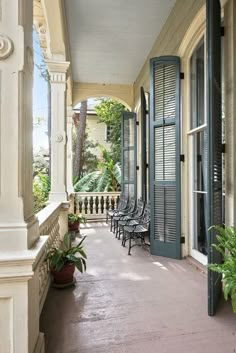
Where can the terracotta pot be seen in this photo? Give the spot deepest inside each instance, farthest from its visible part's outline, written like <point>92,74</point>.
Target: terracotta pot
<point>65,275</point>
<point>74,226</point>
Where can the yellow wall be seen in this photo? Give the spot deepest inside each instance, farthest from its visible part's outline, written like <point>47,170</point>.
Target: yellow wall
<point>96,132</point>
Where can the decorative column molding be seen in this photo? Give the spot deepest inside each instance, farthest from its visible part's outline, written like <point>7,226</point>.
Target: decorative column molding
<point>69,166</point>
<point>18,225</point>
<point>58,74</point>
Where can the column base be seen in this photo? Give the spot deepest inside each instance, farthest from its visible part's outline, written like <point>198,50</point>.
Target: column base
<point>18,236</point>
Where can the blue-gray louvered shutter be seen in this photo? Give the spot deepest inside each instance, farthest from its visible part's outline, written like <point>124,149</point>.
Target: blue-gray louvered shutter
<point>165,156</point>
<point>128,154</point>
<point>214,129</point>
<point>144,112</point>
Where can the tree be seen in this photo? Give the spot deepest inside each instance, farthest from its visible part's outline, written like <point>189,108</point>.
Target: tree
<point>109,112</point>
<point>80,121</point>
<point>106,179</point>
<point>89,159</point>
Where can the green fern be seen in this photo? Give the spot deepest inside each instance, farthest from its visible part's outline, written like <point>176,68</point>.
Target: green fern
<point>226,246</point>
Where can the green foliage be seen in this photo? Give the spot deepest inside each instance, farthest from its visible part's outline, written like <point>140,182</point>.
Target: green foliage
<point>226,246</point>
<point>58,257</point>
<point>109,112</point>
<point>41,188</point>
<point>106,179</point>
<point>72,218</point>
<point>89,159</point>
<point>41,163</point>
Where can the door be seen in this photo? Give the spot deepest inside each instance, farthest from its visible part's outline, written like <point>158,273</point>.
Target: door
<point>165,156</point>
<point>214,130</point>
<point>128,154</point>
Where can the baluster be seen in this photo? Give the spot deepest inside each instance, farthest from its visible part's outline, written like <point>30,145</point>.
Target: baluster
<point>91,203</point>
<point>85,203</point>
<point>99,205</point>
<point>102,205</point>
<point>107,203</point>
<point>112,203</point>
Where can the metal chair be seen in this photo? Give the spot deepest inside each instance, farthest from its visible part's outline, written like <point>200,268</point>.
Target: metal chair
<point>134,216</point>
<point>129,212</point>
<point>122,206</point>
<point>138,230</point>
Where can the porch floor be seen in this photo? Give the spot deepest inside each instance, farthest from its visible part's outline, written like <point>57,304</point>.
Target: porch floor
<point>134,304</point>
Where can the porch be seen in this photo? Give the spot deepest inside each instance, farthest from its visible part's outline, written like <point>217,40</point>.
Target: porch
<point>139,303</point>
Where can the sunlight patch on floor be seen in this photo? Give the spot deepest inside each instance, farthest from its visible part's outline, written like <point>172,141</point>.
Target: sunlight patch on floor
<point>160,265</point>
<point>132,276</point>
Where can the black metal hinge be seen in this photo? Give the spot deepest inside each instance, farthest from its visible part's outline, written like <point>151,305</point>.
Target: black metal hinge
<point>147,166</point>
<point>182,75</point>
<point>181,158</point>
<point>137,167</point>
<point>223,148</point>
<point>182,240</point>
<point>137,123</point>
<point>222,31</point>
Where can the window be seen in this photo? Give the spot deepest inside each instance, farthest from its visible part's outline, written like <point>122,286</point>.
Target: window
<point>199,146</point>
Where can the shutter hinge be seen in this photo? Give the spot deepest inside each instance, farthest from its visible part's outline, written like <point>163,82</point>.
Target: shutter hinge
<point>182,240</point>
<point>137,123</point>
<point>137,167</point>
<point>181,158</point>
<point>223,148</point>
<point>182,75</point>
<point>222,31</point>
<point>147,166</point>
<point>146,111</point>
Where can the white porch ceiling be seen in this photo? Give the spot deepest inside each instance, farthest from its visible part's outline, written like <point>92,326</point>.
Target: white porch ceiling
<point>111,39</point>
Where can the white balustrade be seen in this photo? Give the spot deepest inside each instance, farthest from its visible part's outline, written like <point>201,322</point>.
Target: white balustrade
<point>93,205</point>
<point>48,226</point>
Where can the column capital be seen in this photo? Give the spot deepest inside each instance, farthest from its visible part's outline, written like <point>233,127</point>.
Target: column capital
<point>57,70</point>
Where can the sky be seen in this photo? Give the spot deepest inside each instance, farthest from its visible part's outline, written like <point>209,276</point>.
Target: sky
<point>40,101</point>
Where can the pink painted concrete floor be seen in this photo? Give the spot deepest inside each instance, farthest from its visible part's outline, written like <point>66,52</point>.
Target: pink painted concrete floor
<point>134,304</point>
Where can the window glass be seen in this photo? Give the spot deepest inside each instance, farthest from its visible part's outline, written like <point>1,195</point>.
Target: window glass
<point>197,86</point>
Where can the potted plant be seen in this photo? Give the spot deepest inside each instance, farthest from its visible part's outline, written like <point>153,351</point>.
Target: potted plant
<point>63,261</point>
<point>226,246</point>
<point>74,221</point>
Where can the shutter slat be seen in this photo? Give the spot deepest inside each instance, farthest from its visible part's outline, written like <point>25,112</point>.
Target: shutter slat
<point>164,156</point>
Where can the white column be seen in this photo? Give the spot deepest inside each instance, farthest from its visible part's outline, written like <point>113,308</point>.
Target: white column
<point>58,72</point>
<point>69,164</point>
<point>18,225</point>
<point>20,244</point>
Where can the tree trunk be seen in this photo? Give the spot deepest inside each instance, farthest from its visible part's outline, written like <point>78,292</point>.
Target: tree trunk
<point>80,134</point>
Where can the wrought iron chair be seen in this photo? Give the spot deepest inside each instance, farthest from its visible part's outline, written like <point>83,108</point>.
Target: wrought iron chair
<point>138,230</point>
<point>134,216</point>
<point>128,213</point>
<point>121,207</point>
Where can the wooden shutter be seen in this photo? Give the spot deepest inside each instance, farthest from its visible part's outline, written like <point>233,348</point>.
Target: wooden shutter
<point>214,129</point>
<point>144,112</point>
<point>128,154</point>
<point>165,156</point>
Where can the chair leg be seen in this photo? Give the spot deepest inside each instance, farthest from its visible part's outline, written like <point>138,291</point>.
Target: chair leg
<point>129,245</point>
<point>111,224</point>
